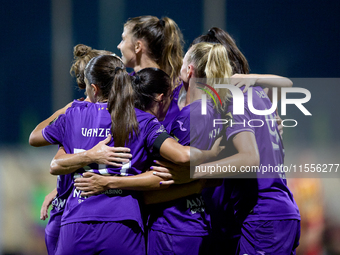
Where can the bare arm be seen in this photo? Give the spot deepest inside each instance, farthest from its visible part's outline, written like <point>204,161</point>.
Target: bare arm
<point>271,81</point>
<point>265,80</point>
<point>179,191</point>
<point>173,192</point>
<point>36,138</point>
<point>46,204</point>
<point>93,183</point>
<point>186,155</point>
<point>154,192</point>
<point>248,155</point>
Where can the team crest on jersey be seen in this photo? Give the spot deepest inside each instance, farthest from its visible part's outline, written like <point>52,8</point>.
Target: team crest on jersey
<point>261,94</point>
<point>181,126</point>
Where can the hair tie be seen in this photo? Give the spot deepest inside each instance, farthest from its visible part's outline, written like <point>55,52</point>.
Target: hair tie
<point>137,79</point>
<point>211,33</point>
<point>162,22</point>
<point>117,69</point>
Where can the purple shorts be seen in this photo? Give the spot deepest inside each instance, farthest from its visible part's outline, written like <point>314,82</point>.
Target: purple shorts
<point>52,233</point>
<point>105,238</point>
<point>277,237</point>
<point>51,243</point>
<point>160,243</point>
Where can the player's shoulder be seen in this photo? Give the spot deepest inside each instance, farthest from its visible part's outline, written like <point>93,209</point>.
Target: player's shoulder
<point>77,103</point>
<point>84,108</point>
<point>143,116</point>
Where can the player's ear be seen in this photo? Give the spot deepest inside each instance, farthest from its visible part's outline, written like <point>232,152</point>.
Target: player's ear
<point>160,97</point>
<point>190,71</point>
<point>95,89</point>
<point>139,45</point>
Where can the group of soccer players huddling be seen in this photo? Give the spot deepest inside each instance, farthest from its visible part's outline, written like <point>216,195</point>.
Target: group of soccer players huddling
<point>126,151</point>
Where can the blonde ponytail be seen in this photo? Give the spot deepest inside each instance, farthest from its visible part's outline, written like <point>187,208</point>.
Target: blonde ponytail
<point>172,57</point>
<point>164,42</point>
<point>211,62</point>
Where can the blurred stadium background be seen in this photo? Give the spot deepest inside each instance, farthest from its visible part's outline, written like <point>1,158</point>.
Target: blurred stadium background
<point>296,39</point>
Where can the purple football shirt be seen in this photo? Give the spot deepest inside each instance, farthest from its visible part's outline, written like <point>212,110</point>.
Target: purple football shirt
<point>275,201</point>
<point>188,215</point>
<point>173,110</point>
<point>81,128</point>
<point>64,188</point>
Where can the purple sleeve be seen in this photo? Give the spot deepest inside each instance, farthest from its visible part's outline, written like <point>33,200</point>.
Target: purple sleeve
<point>153,130</point>
<point>238,123</point>
<point>55,132</point>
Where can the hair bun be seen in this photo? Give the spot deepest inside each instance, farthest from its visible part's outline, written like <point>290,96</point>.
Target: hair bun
<point>211,33</point>
<point>162,22</point>
<point>81,50</point>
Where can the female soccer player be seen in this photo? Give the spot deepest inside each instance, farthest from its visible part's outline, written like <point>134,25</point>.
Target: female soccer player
<point>116,213</point>
<point>226,231</point>
<point>149,34</point>
<point>151,42</point>
<point>271,225</point>
<point>82,55</point>
<point>127,40</point>
<point>174,225</point>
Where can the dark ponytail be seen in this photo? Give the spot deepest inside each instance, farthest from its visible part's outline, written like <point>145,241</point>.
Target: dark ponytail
<point>121,105</point>
<point>237,60</point>
<point>108,73</point>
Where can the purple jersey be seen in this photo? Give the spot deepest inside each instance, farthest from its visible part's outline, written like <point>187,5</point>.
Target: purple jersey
<point>187,215</point>
<point>173,110</point>
<point>64,188</point>
<point>275,201</point>
<point>81,128</point>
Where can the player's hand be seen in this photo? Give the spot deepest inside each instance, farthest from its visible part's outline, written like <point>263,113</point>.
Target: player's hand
<point>174,173</point>
<point>114,156</point>
<point>217,148</point>
<point>46,204</point>
<point>246,80</point>
<point>91,184</point>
